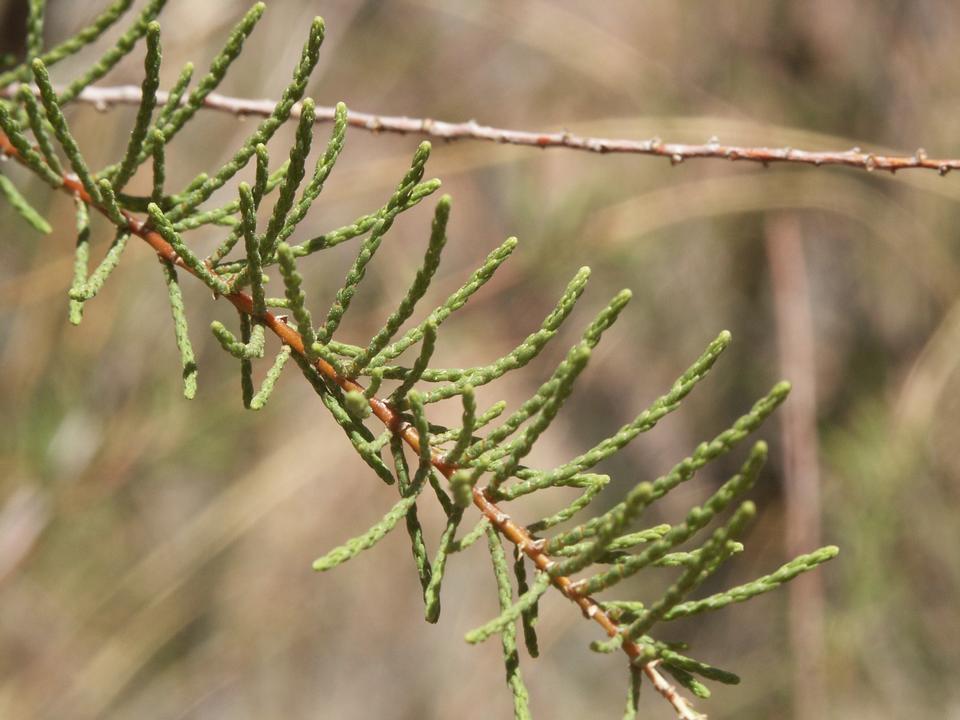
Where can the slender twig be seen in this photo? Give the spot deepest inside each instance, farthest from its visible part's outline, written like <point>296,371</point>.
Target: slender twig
<point>105,97</point>
<point>517,534</point>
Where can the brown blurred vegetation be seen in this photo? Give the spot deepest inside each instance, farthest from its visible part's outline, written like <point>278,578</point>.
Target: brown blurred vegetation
<point>155,553</point>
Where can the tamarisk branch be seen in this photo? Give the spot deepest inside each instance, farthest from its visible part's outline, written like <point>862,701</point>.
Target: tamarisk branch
<point>515,533</point>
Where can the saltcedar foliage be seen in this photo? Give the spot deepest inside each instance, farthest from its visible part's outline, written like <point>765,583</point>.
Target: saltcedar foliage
<point>481,461</point>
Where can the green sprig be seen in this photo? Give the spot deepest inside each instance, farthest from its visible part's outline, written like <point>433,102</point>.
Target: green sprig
<point>37,126</point>
<point>320,174</point>
<point>259,401</point>
<point>252,348</point>
<point>414,529</point>
<point>248,228</point>
<point>469,420</point>
<point>512,613</point>
<point>81,261</point>
<point>35,12</point>
<point>51,104</point>
<point>508,635</point>
<point>110,206</point>
<point>535,403</point>
<point>246,363</point>
<point>419,365</point>
<point>572,366</point>
<point>620,514</point>
<point>431,594</point>
<point>94,283</point>
<point>676,660</point>
<point>594,484</point>
<point>528,615</point>
<point>788,571</point>
<point>470,538</point>
<point>295,170</point>
<point>364,223</point>
<point>293,281</point>
<point>174,100</point>
<point>688,681</point>
<point>24,209</point>
<point>631,710</point>
<point>371,537</point>
<point>431,260</point>
<point>21,144</point>
<point>526,351</point>
<point>187,357</point>
<point>159,167</point>
<point>148,100</point>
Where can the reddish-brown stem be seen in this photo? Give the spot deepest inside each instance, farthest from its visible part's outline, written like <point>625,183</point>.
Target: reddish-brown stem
<point>517,534</point>
<point>104,97</point>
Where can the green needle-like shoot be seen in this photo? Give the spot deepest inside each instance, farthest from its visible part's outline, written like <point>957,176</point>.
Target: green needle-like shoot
<point>258,401</point>
<point>292,281</point>
<point>51,104</point>
<point>431,594</point>
<point>159,166</point>
<point>371,537</point>
<point>785,573</point>
<point>469,420</point>
<point>35,11</point>
<point>31,158</point>
<point>293,178</point>
<point>421,282</point>
<point>252,348</point>
<point>38,128</point>
<point>187,358</point>
<point>508,635</point>
<point>512,613</point>
<point>81,261</point>
<point>19,203</point>
<point>248,227</point>
<point>148,100</point>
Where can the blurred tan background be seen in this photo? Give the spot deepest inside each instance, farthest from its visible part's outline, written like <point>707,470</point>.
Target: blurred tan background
<point>155,553</point>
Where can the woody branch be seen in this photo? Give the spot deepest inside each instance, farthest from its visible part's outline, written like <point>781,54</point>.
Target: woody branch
<point>105,97</point>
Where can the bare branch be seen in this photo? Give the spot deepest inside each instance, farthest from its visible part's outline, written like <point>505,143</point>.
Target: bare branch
<point>105,97</point>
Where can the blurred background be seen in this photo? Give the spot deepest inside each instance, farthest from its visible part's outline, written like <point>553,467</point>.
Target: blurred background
<point>155,553</point>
